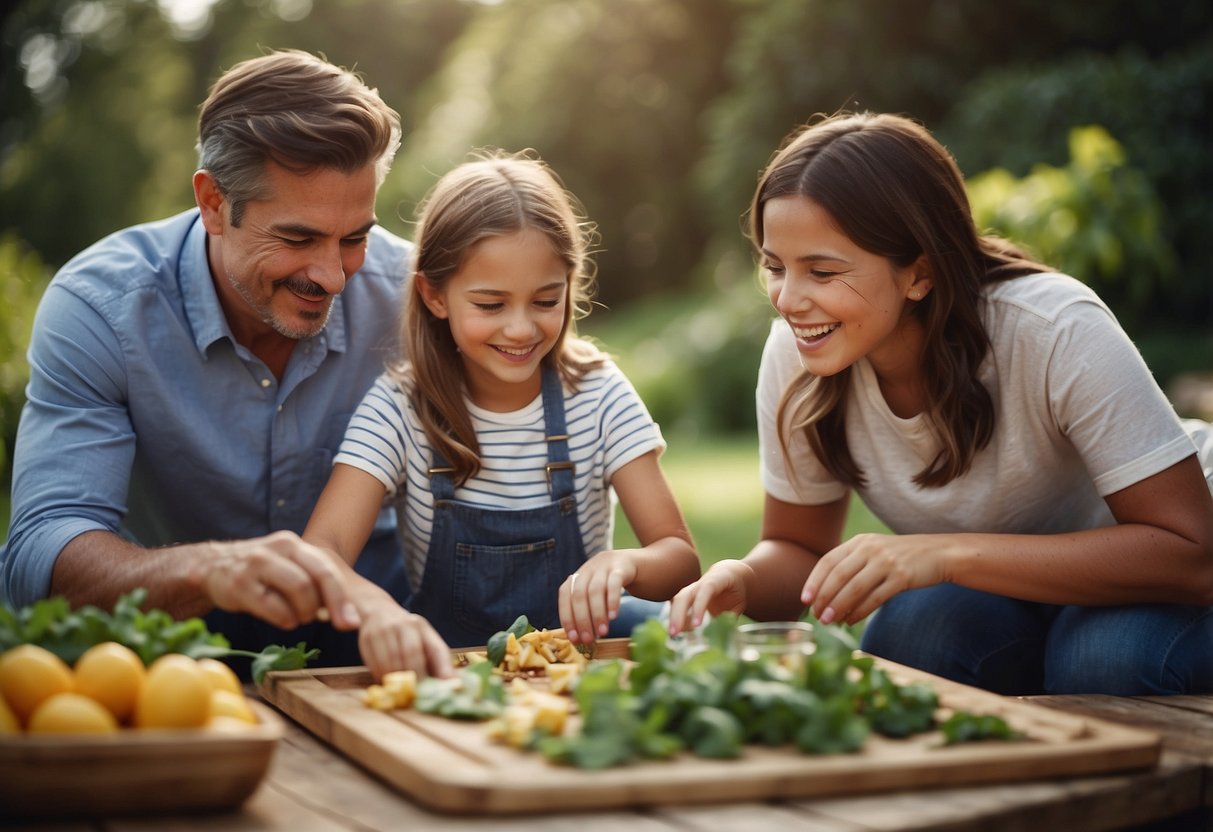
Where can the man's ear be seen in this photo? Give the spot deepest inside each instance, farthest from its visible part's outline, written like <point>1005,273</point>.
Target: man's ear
<point>211,202</point>
<point>434,300</point>
<point>924,279</point>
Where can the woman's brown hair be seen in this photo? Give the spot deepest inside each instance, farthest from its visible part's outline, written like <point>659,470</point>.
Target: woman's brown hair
<point>897,192</point>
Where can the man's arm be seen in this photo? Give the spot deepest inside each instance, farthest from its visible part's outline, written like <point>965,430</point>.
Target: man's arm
<point>75,444</point>
<point>72,469</point>
<point>277,577</point>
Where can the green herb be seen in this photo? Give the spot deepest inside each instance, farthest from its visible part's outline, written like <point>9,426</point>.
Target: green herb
<point>472,693</point>
<point>495,648</point>
<point>712,703</point>
<point>966,727</point>
<point>51,623</point>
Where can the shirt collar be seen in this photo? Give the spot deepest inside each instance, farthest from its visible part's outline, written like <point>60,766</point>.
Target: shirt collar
<point>205,314</point>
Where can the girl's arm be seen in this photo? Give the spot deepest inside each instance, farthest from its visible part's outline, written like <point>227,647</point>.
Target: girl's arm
<point>665,562</point>
<point>765,585</point>
<point>1160,550</point>
<point>390,637</point>
<point>344,516</point>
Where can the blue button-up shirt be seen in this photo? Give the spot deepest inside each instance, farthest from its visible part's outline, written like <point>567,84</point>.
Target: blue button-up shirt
<point>146,418</point>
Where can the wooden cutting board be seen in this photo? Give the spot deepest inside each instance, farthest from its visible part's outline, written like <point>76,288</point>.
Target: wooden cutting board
<point>453,766</point>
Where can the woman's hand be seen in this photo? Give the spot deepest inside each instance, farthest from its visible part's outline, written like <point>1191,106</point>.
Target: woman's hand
<point>589,598</point>
<point>856,577</point>
<point>392,638</point>
<point>721,589</point>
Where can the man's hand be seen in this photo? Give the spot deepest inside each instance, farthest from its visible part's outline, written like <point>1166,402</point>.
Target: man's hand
<point>278,578</point>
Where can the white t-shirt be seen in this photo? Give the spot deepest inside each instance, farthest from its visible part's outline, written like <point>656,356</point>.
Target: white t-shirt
<point>608,427</point>
<point>1078,416</point>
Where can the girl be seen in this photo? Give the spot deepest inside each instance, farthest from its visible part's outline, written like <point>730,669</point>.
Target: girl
<point>1054,528</point>
<point>503,436</point>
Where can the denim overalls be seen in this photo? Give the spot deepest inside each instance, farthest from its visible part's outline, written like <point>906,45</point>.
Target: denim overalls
<point>485,567</point>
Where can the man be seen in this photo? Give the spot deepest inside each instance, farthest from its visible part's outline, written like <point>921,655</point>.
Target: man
<point>191,379</point>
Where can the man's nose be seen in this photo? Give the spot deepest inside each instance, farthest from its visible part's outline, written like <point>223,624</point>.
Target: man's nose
<point>328,271</point>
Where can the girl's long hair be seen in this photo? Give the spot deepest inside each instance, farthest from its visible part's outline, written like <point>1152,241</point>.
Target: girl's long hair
<point>493,195</point>
<point>898,193</point>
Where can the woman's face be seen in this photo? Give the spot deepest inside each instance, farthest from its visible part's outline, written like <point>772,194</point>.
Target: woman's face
<point>843,303</point>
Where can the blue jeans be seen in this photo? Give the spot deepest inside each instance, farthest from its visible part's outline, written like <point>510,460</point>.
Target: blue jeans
<point>632,612</point>
<point>1017,647</point>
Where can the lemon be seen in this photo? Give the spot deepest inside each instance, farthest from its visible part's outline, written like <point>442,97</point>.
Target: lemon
<point>112,674</point>
<point>220,676</point>
<point>226,703</point>
<point>228,725</point>
<point>9,723</point>
<point>29,675</point>
<point>175,694</point>
<point>72,713</point>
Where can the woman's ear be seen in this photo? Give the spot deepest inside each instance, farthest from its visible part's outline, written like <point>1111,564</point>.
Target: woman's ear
<point>434,300</point>
<point>923,279</point>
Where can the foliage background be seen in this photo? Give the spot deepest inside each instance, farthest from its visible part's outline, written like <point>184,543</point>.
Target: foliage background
<point>1085,129</point>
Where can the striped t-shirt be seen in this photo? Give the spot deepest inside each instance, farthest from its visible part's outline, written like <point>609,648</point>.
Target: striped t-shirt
<point>608,427</point>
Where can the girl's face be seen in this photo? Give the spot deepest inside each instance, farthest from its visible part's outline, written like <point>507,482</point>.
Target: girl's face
<point>506,308</point>
<point>843,303</point>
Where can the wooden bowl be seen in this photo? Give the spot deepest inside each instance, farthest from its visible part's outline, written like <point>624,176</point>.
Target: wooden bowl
<point>136,771</point>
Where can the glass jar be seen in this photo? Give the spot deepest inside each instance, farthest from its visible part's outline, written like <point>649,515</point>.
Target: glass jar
<point>781,647</point>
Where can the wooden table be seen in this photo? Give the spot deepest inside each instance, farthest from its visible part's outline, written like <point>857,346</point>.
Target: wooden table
<point>311,788</point>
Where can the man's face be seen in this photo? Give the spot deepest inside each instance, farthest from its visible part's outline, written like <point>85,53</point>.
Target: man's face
<point>293,251</point>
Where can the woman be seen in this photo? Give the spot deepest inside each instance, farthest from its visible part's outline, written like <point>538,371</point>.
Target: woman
<point>1054,529</point>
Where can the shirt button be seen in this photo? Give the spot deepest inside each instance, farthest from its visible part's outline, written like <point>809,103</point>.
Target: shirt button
<point>265,382</point>
<point>280,503</point>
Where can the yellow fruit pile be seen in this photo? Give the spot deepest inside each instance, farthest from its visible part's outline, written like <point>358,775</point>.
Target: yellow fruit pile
<point>109,688</point>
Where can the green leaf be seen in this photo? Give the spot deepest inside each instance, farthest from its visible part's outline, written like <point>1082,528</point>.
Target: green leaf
<point>496,648</point>
<point>713,732</point>
<point>966,727</point>
<point>278,657</point>
<point>51,623</point>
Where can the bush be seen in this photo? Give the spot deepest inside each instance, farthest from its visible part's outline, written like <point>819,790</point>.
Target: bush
<point>693,359</point>
<point>1097,219</point>
<point>1157,108</point>
<point>23,278</point>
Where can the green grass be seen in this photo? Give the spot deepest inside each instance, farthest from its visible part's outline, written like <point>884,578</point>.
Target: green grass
<point>716,483</point>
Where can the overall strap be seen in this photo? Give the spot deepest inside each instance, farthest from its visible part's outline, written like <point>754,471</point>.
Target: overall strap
<point>441,484</point>
<point>560,468</point>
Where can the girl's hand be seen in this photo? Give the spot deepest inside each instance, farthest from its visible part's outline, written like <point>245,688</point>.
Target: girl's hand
<point>589,598</point>
<point>855,578</point>
<point>721,589</point>
<point>392,638</point>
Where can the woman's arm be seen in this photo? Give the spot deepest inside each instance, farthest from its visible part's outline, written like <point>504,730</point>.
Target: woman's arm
<point>766,584</point>
<point>1160,550</point>
<point>665,562</point>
